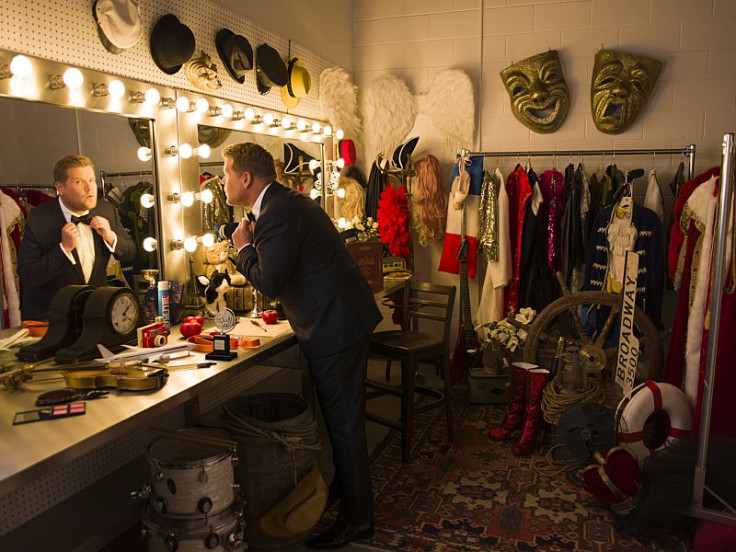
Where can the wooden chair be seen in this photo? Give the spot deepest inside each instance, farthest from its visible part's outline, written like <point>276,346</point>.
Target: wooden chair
<point>432,302</point>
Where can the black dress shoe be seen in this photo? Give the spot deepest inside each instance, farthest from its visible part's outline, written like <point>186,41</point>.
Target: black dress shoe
<point>340,535</point>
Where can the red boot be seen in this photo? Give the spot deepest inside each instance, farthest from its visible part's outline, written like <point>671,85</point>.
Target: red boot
<point>535,381</point>
<point>515,410</point>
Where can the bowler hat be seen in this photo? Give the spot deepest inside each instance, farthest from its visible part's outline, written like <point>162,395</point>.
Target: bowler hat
<point>118,23</point>
<point>235,52</point>
<point>298,511</point>
<point>270,69</point>
<point>172,44</point>
<point>298,85</point>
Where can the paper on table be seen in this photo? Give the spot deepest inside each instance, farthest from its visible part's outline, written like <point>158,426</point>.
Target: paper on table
<point>247,328</point>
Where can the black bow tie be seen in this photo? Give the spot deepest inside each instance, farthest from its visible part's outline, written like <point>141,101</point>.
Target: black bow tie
<point>84,219</point>
<point>251,216</point>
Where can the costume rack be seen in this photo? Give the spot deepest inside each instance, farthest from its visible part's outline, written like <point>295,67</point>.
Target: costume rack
<point>688,151</point>
<point>719,262</point>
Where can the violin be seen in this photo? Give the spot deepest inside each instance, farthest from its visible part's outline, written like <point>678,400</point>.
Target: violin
<point>124,378</point>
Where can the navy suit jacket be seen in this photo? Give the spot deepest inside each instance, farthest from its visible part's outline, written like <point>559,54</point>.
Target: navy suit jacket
<point>43,269</point>
<point>299,258</point>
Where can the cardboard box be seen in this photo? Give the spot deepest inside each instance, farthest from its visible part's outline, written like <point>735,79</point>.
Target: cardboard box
<point>369,257</point>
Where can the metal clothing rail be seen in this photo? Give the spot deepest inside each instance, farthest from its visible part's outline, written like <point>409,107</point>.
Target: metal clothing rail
<point>719,262</point>
<point>29,186</point>
<point>104,174</point>
<point>687,151</point>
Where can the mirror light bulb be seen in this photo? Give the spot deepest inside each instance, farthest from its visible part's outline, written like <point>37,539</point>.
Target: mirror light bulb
<point>208,240</point>
<point>204,151</point>
<point>206,196</point>
<point>341,222</point>
<point>144,153</point>
<point>190,245</point>
<point>340,134</point>
<point>268,119</point>
<point>227,110</point>
<point>152,96</point>
<point>185,151</point>
<point>340,163</point>
<point>301,125</point>
<point>182,104</point>
<point>316,129</point>
<point>341,193</point>
<point>187,199</point>
<point>21,66</point>
<point>150,244</point>
<point>201,105</point>
<point>286,122</point>
<point>73,78</point>
<point>314,193</point>
<point>116,89</point>
<point>314,164</point>
<point>147,200</point>
<point>328,130</point>
<point>249,114</point>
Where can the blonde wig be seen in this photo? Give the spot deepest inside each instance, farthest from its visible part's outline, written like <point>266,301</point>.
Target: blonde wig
<point>354,203</point>
<point>429,200</point>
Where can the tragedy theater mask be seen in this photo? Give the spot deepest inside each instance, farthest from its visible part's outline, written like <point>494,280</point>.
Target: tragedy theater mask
<point>621,87</point>
<point>538,91</point>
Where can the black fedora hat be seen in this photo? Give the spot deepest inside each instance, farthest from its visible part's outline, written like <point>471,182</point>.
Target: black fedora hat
<point>235,52</point>
<point>172,44</point>
<point>270,69</point>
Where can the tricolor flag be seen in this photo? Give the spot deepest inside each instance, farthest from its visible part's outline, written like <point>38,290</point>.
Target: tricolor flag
<point>449,261</point>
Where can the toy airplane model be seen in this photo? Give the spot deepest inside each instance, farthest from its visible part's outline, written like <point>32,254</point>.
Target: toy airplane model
<point>136,353</point>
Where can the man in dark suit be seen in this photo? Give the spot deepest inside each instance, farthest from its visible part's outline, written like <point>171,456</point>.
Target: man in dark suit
<point>293,252</point>
<point>69,240</point>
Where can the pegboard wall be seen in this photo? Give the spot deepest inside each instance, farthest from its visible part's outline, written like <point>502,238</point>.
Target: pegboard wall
<point>65,31</point>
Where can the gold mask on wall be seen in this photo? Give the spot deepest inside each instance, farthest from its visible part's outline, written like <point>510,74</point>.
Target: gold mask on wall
<point>621,87</point>
<point>538,91</point>
<point>202,73</point>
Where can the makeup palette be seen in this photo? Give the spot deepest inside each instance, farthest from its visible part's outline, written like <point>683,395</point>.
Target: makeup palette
<point>51,413</point>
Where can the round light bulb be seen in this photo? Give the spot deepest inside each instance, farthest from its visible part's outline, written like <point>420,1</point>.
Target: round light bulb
<point>316,128</point>
<point>190,245</point>
<point>204,151</point>
<point>152,96</point>
<point>206,196</point>
<point>182,104</point>
<point>187,199</point>
<point>249,114</point>
<point>314,164</point>
<point>21,66</point>
<point>340,163</point>
<point>185,151</point>
<point>341,193</point>
<point>116,89</point>
<point>314,193</point>
<point>339,134</point>
<point>148,201</point>
<point>301,125</point>
<point>150,244</point>
<point>268,119</point>
<point>208,240</point>
<point>227,110</point>
<point>328,130</point>
<point>286,122</point>
<point>144,154</point>
<point>73,78</point>
<point>201,105</point>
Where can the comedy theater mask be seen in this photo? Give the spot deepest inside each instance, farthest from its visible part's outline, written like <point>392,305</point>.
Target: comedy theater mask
<point>538,91</point>
<point>621,87</point>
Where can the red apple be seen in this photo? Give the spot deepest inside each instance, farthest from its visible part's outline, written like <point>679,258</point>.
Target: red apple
<point>198,319</point>
<point>270,316</point>
<point>189,328</point>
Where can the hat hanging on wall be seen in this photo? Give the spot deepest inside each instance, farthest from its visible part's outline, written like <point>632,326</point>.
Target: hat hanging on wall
<point>298,85</point>
<point>403,152</point>
<point>270,69</point>
<point>295,159</point>
<point>172,44</point>
<point>347,151</point>
<point>235,52</point>
<point>118,24</point>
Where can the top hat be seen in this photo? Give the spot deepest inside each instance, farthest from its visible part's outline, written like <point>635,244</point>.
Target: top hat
<point>172,44</point>
<point>298,85</point>
<point>403,152</point>
<point>235,52</point>
<point>270,69</point>
<point>118,23</point>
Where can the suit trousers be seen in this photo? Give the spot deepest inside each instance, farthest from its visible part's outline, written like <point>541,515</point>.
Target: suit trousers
<point>340,383</point>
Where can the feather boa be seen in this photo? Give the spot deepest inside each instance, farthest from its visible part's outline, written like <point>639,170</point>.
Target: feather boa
<point>338,98</point>
<point>393,220</point>
<point>390,110</point>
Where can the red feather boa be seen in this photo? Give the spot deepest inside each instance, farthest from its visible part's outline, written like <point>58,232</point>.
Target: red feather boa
<point>393,220</point>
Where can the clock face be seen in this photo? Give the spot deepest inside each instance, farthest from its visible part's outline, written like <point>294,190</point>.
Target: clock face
<point>124,314</point>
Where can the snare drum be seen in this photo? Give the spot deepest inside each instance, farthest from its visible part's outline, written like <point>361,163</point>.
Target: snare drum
<point>191,479</point>
<point>223,531</point>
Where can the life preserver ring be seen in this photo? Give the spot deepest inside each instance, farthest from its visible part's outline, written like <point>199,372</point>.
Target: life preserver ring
<point>645,400</point>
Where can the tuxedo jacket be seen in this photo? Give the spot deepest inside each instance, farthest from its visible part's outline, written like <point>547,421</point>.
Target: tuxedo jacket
<point>298,258</point>
<point>43,268</point>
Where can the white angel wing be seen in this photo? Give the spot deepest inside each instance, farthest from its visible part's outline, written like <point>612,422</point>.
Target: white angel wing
<point>449,103</point>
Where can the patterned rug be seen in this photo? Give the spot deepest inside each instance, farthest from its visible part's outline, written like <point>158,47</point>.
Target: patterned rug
<point>478,496</point>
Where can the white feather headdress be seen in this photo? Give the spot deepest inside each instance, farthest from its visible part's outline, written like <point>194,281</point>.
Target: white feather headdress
<point>390,110</point>
<point>338,98</point>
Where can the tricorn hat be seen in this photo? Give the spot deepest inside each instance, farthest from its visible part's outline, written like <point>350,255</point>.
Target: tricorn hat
<point>270,69</point>
<point>235,52</point>
<point>172,44</point>
<point>403,152</point>
<point>298,85</point>
<point>118,23</point>
<point>295,159</point>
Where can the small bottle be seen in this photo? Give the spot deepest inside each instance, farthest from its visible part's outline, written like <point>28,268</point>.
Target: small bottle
<point>163,302</point>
